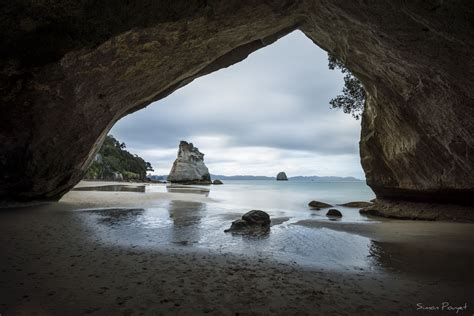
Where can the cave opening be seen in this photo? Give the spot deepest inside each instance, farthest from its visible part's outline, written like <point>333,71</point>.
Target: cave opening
<point>414,143</point>
<point>270,112</point>
<point>70,70</point>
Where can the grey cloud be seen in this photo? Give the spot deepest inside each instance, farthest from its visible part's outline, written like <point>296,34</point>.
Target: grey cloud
<point>278,97</point>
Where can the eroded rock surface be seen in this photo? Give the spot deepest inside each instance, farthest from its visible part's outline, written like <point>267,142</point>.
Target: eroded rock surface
<point>401,209</point>
<point>70,70</point>
<point>189,167</point>
<point>254,222</point>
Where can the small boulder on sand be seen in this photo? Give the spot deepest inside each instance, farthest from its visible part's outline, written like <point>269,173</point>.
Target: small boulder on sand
<point>257,217</point>
<point>255,222</point>
<point>333,213</point>
<point>217,181</point>
<point>357,204</point>
<point>318,205</point>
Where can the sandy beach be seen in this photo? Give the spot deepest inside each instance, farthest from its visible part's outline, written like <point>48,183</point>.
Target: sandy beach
<point>90,199</point>
<point>54,264</point>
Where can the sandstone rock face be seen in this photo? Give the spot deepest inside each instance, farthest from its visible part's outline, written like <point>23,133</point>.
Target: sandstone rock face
<point>281,176</point>
<point>400,209</point>
<point>70,70</point>
<point>189,167</point>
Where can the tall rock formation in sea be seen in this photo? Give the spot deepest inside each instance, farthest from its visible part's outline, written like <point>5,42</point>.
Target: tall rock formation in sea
<point>281,176</point>
<point>189,167</point>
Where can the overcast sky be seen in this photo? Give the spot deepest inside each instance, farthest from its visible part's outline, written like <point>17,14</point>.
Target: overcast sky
<point>266,114</point>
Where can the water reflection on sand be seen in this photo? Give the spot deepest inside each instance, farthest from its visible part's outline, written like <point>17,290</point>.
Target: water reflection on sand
<point>297,235</point>
<point>200,226</point>
<point>420,261</point>
<point>187,189</point>
<point>172,188</point>
<point>112,188</point>
<point>183,223</point>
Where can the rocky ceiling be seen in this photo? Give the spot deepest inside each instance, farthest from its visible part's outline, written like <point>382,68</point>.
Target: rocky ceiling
<point>71,69</point>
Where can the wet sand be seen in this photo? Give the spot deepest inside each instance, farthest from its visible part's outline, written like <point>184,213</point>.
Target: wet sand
<point>441,250</point>
<point>53,264</point>
<point>91,199</point>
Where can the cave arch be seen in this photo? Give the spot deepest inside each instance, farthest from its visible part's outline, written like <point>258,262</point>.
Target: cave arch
<point>71,70</point>
<point>269,112</point>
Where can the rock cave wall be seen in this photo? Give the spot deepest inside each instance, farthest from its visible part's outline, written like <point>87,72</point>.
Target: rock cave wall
<point>71,69</point>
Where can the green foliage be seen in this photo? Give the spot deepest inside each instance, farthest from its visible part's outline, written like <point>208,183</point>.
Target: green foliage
<point>95,171</point>
<point>113,158</point>
<point>352,99</point>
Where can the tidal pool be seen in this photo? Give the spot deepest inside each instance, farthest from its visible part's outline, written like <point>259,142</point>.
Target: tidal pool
<point>200,226</point>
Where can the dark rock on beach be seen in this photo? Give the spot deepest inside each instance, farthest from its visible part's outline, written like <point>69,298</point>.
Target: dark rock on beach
<point>357,204</point>
<point>257,217</point>
<point>217,182</point>
<point>334,213</point>
<point>254,222</point>
<point>318,205</point>
<point>238,225</point>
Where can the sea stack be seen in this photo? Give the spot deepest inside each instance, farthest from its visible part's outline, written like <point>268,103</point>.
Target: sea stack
<point>189,167</point>
<point>281,176</point>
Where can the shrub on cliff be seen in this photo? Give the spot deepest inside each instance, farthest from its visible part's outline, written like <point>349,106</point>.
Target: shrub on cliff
<point>352,99</point>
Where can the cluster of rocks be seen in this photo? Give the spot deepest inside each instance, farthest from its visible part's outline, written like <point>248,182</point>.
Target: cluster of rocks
<point>335,213</point>
<point>318,205</point>
<point>255,222</point>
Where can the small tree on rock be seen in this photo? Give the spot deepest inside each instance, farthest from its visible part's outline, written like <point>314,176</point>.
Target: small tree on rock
<point>352,99</point>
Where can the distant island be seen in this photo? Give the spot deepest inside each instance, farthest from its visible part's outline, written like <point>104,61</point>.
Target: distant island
<point>297,178</point>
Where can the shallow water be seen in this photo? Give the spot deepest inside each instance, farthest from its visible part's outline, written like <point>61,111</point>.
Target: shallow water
<point>197,225</point>
<point>113,188</point>
<point>289,198</point>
